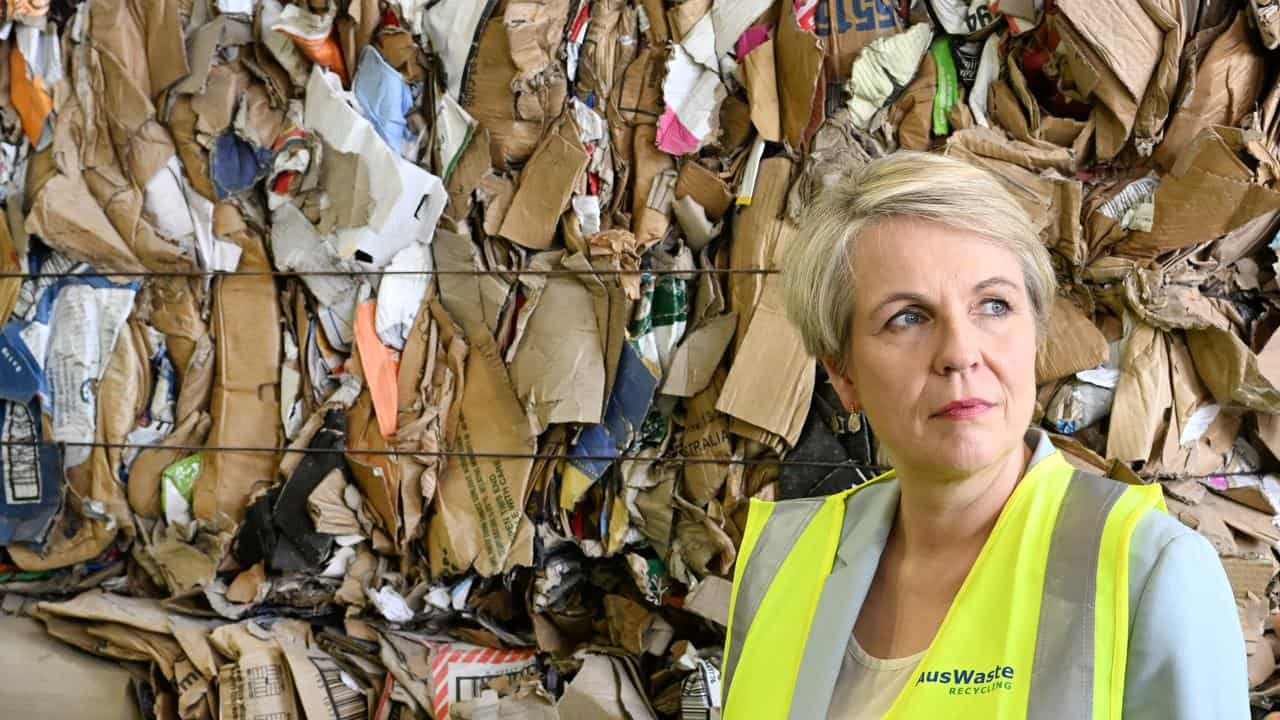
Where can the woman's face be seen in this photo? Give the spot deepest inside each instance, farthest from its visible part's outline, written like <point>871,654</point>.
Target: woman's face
<point>943,346</point>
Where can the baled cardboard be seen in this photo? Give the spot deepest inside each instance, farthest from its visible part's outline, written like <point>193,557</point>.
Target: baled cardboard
<point>1072,344</point>
<point>1208,193</point>
<point>480,499</point>
<point>762,91</point>
<point>548,181</point>
<point>799,62</point>
<point>245,406</point>
<point>558,369</point>
<point>1226,85</point>
<point>845,27</point>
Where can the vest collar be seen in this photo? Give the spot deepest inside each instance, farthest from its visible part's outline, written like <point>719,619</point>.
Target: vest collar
<point>869,515</point>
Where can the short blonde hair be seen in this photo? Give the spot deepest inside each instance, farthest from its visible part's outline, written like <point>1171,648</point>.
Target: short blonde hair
<point>818,272</point>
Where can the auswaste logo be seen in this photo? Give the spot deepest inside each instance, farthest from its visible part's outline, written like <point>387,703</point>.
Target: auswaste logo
<point>969,681</point>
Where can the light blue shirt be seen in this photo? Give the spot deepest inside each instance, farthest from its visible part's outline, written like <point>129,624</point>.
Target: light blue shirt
<point>1186,656</point>
<point>1186,649</point>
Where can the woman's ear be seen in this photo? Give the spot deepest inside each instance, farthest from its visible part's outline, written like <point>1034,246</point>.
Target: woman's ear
<point>843,386</point>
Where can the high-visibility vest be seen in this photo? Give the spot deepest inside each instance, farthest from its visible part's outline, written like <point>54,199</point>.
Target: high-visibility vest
<point>1039,628</point>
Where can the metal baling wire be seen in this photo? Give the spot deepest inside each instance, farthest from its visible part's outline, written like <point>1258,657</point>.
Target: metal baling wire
<point>686,460</point>
<point>690,459</point>
<point>304,273</point>
<point>338,273</point>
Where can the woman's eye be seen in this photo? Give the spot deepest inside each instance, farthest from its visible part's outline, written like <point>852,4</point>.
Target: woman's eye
<point>995,306</point>
<point>906,318</point>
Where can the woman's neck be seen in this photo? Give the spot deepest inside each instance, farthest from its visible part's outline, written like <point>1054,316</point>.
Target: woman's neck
<point>944,517</point>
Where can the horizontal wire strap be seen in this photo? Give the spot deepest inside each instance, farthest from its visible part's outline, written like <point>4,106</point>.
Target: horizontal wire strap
<point>676,459</point>
<point>360,273</point>
<point>682,459</point>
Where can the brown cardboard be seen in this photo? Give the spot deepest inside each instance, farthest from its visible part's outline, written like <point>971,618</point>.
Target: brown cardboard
<point>606,688</point>
<point>558,368</point>
<point>710,599</point>
<point>1207,194</point>
<point>1188,395</point>
<point>771,381</point>
<point>912,113</point>
<point>355,26</point>
<point>701,544</point>
<point>1034,155</point>
<point>534,29</point>
<point>63,211</point>
<point>681,18</point>
<point>77,635</point>
<point>1053,204</point>
<point>648,224</point>
<point>706,435</point>
<point>489,98</point>
<point>328,509</point>
<point>249,586</point>
<point>9,287</point>
<point>1155,102</point>
<point>1072,343</point>
<point>1226,85</point>
<point>1093,32</point>
<point>705,187</point>
<point>1243,519</point>
<point>1142,395</point>
<point>547,183</point>
<point>245,406</point>
<point>97,606</point>
<point>735,126</point>
<point>481,499</point>
<point>1167,301</point>
<point>185,565</point>
<point>850,27</point>
<point>698,355</point>
<point>258,684</point>
<point>640,93</point>
<point>610,44</point>
<point>377,475</point>
<point>318,680</point>
<point>756,230</point>
<point>799,64</point>
<point>1231,372</point>
<point>762,91</point>
<point>612,310</point>
<point>628,622</point>
<point>468,298</point>
<point>140,53</point>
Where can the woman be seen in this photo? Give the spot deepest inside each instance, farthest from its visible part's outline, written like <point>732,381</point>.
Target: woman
<point>983,577</point>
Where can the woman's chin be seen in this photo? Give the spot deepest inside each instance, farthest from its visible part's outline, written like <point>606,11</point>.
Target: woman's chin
<point>963,455</point>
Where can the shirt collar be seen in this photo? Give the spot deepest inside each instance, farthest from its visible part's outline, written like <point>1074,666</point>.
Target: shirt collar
<point>1040,444</point>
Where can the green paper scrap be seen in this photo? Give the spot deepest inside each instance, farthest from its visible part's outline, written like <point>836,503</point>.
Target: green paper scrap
<point>945,97</point>
<point>182,475</point>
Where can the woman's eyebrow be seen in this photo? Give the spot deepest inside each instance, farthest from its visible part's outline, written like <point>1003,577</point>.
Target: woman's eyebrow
<point>915,297</point>
<point>899,296</point>
<point>994,281</point>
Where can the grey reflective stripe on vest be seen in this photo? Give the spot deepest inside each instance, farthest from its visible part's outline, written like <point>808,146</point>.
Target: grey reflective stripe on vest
<point>779,534</point>
<point>1062,672</point>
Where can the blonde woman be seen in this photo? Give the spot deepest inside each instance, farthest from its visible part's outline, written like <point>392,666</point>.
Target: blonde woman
<point>984,577</point>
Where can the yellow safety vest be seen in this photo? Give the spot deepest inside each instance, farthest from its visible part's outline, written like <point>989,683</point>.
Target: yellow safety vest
<point>1039,629</point>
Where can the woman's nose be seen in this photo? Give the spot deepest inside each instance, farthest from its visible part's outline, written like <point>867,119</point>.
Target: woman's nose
<point>958,346</point>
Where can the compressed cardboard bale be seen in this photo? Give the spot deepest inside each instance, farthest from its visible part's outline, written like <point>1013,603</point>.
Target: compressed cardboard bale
<point>245,406</point>
<point>517,441</point>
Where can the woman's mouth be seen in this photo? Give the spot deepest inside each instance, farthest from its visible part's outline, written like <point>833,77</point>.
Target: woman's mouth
<point>965,409</point>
